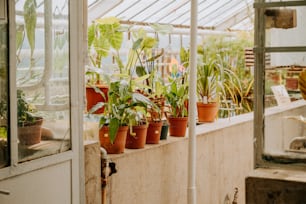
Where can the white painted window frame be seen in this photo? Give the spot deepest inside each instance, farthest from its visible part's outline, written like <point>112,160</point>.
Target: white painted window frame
<point>291,160</point>
<point>77,56</point>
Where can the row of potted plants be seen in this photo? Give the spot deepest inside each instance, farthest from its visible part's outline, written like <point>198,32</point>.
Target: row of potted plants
<point>128,113</point>
<point>134,97</point>
<point>135,93</point>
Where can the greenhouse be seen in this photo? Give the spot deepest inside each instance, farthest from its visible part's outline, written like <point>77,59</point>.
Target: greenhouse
<point>151,101</point>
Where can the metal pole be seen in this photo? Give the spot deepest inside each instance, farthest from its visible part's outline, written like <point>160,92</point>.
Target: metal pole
<point>191,194</point>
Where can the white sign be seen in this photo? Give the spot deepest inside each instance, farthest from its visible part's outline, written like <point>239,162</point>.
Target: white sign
<point>3,11</point>
<point>281,95</point>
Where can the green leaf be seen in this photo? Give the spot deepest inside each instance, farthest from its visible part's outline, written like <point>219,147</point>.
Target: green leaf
<point>102,46</point>
<point>108,20</point>
<point>96,107</point>
<point>91,34</point>
<point>30,19</point>
<point>148,43</point>
<point>116,40</point>
<point>137,44</point>
<point>162,28</point>
<point>140,71</point>
<point>113,129</point>
<point>19,36</point>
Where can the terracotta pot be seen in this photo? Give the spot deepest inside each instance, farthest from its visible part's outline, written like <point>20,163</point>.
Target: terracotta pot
<point>154,131</point>
<point>138,140</point>
<point>30,134</point>
<point>93,97</point>
<point>277,78</point>
<point>119,143</point>
<point>292,83</point>
<point>207,112</point>
<point>177,126</point>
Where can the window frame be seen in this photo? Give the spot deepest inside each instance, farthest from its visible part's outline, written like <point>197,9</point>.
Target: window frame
<point>76,82</point>
<point>292,160</point>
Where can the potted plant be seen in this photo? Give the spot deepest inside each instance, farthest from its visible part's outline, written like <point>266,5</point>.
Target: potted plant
<point>124,109</point>
<point>137,134</point>
<point>152,88</point>
<point>155,116</point>
<point>176,94</point>
<point>146,81</point>
<point>29,124</point>
<point>235,80</point>
<point>104,36</point>
<point>208,88</point>
<point>216,82</point>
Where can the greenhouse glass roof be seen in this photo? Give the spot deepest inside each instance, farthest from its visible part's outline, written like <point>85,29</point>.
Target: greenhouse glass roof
<point>218,15</point>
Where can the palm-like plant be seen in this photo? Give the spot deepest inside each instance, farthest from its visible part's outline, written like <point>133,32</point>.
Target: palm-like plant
<point>226,55</point>
<point>207,81</point>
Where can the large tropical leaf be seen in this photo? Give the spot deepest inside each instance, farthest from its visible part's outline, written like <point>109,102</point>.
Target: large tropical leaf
<point>91,35</point>
<point>113,129</point>
<point>30,20</point>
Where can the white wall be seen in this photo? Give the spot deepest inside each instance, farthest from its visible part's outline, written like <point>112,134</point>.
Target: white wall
<point>158,173</point>
<point>281,126</point>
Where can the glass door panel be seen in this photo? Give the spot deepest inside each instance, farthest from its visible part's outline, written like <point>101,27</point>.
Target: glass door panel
<point>4,154</point>
<point>42,77</point>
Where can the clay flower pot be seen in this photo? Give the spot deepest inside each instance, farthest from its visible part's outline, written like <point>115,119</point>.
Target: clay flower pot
<point>30,134</point>
<point>92,97</point>
<point>154,131</point>
<point>138,140</point>
<point>177,126</point>
<point>207,112</point>
<point>119,143</point>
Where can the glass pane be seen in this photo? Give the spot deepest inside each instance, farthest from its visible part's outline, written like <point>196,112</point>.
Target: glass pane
<point>4,151</point>
<point>285,27</point>
<point>285,113</point>
<point>42,78</point>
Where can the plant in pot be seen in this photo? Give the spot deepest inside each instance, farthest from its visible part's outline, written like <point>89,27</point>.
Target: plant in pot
<point>235,80</point>
<point>114,121</point>
<point>176,94</point>
<point>215,82</point>
<point>29,124</point>
<point>153,88</point>
<point>141,66</point>
<point>138,125</point>
<point>208,89</point>
<point>153,85</point>
<point>124,109</point>
<point>105,35</point>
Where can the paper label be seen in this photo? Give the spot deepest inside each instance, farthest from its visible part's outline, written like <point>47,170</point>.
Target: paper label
<point>281,95</point>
